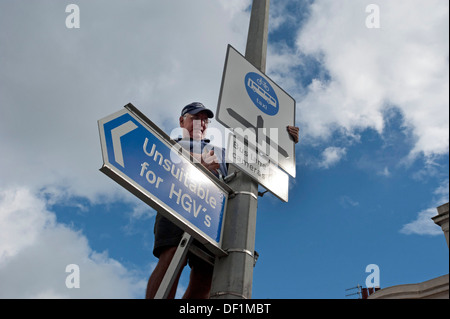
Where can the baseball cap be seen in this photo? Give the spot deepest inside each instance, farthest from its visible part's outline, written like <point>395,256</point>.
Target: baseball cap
<point>196,107</point>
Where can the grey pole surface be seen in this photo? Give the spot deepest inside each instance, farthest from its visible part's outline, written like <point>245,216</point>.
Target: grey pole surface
<point>233,274</point>
<point>256,50</point>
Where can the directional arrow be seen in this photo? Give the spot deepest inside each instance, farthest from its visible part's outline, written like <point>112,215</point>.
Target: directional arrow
<point>260,124</point>
<point>117,133</point>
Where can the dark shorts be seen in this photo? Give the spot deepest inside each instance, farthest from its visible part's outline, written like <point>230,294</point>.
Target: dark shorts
<point>167,235</point>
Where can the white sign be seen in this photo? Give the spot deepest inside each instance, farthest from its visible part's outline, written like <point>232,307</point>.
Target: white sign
<point>267,174</point>
<point>251,104</point>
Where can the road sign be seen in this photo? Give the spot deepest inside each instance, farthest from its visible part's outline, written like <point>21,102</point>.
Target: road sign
<point>244,156</point>
<point>144,160</point>
<point>253,105</point>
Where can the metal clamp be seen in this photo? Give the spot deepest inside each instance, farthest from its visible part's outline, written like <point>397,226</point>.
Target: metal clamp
<point>224,293</point>
<point>243,193</point>
<point>239,250</point>
<point>255,256</point>
<point>230,177</point>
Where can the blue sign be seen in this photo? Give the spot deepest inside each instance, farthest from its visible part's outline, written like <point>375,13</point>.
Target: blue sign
<point>261,93</point>
<point>155,167</point>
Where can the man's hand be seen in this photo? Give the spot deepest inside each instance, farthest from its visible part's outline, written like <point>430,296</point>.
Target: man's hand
<point>293,132</point>
<point>208,159</point>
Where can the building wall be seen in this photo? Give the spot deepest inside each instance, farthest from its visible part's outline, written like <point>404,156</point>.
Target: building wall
<point>436,288</point>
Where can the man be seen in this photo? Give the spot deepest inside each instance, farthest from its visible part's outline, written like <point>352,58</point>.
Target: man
<point>194,120</point>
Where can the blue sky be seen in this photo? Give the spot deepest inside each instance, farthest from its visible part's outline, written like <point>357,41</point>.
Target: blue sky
<point>372,162</point>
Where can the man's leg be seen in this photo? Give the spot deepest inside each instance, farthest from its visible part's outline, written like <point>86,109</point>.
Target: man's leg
<point>158,274</point>
<point>199,282</point>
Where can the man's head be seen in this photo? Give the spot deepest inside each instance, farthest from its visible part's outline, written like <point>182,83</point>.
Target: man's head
<point>195,119</point>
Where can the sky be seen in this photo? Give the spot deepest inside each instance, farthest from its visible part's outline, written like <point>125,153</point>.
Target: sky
<point>371,85</point>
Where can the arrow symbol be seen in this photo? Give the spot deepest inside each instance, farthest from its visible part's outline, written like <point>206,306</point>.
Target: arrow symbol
<point>116,134</point>
<point>259,124</point>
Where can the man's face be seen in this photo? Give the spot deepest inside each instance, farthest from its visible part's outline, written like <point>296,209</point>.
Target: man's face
<point>195,125</point>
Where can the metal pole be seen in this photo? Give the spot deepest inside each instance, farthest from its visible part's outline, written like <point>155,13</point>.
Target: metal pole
<point>233,274</point>
<point>256,50</point>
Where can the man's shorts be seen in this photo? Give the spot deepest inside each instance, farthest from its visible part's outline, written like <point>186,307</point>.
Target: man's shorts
<point>167,235</point>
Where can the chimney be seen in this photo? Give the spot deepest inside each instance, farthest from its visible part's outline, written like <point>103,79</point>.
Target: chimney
<point>364,293</point>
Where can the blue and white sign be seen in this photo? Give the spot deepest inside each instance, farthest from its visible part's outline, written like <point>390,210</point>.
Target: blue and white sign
<point>140,157</point>
<point>261,93</point>
<point>250,101</point>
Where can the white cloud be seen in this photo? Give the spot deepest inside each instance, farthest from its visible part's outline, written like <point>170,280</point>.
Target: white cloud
<point>140,212</point>
<point>57,82</point>
<point>35,250</point>
<point>404,64</point>
<point>385,172</point>
<point>19,226</point>
<point>442,193</point>
<point>331,156</point>
<point>423,224</point>
<point>346,202</point>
